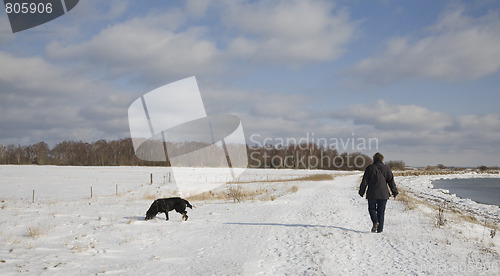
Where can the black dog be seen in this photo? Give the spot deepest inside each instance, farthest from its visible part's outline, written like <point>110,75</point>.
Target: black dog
<point>164,205</point>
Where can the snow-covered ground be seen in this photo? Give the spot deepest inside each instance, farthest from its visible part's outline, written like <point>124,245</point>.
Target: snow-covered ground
<point>321,229</point>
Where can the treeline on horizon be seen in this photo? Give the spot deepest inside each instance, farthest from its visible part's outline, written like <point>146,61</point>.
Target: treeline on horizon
<point>121,153</point>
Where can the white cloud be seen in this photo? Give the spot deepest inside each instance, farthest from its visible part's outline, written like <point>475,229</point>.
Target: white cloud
<point>37,75</point>
<point>384,116</point>
<point>458,47</point>
<point>260,105</point>
<point>288,32</point>
<point>148,47</point>
<point>407,130</point>
<point>482,131</point>
<point>267,32</point>
<point>41,101</point>
<point>264,113</point>
<point>90,11</point>
<point>196,7</point>
<point>481,122</point>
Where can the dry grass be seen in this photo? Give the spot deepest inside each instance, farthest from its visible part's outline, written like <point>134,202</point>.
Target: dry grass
<point>444,211</point>
<point>409,202</point>
<point>441,219</point>
<point>316,177</point>
<point>150,196</point>
<point>237,193</point>
<point>210,195</point>
<point>35,232</point>
<point>470,218</point>
<point>425,172</point>
<point>312,177</point>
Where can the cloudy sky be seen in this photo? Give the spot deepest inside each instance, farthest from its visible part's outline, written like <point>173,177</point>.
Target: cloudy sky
<point>421,77</point>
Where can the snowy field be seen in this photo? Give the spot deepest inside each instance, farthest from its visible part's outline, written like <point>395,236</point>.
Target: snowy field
<point>318,228</point>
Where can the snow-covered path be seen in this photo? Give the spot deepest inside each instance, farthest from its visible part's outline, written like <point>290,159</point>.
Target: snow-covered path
<point>322,229</point>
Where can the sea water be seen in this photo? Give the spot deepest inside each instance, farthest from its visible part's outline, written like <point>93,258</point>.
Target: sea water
<point>482,190</point>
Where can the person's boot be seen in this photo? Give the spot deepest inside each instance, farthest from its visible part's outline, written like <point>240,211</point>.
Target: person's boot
<point>375,227</point>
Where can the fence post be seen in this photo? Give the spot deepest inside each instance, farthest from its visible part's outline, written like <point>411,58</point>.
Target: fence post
<point>91,192</point>
<point>151,178</point>
<point>33,199</point>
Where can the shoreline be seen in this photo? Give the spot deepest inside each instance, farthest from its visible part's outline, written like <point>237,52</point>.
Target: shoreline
<point>421,187</point>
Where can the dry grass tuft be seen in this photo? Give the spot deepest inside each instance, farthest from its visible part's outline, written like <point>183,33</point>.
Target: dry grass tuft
<point>35,232</point>
<point>441,219</point>
<point>235,193</point>
<point>149,196</point>
<point>409,202</point>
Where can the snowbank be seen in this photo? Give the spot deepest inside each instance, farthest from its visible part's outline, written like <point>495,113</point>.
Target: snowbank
<point>421,186</point>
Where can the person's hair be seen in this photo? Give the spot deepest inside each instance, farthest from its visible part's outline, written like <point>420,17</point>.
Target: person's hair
<point>378,157</point>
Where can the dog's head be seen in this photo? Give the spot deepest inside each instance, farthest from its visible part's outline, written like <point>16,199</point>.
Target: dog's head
<point>152,211</point>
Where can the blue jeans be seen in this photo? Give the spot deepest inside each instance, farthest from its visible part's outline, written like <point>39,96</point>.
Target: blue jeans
<point>376,208</point>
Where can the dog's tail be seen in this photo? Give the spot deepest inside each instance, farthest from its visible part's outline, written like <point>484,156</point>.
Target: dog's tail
<point>188,204</point>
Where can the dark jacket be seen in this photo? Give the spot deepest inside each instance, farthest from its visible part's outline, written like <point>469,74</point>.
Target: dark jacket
<point>377,176</point>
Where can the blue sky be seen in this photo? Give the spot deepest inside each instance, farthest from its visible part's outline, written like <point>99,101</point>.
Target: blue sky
<point>422,77</point>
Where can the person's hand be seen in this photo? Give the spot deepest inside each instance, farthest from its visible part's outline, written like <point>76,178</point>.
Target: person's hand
<point>360,193</point>
<point>394,195</point>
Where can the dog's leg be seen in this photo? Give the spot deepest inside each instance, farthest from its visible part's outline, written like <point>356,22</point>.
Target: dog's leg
<point>166,215</point>
<point>184,216</point>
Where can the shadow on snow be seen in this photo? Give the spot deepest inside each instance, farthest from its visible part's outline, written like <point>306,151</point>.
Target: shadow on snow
<point>295,225</point>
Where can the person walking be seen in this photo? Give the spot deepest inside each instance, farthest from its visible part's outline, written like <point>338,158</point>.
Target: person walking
<point>376,178</point>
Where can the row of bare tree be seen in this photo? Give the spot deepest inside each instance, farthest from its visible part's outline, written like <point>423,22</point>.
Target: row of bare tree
<point>121,153</point>
<point>75,153</point>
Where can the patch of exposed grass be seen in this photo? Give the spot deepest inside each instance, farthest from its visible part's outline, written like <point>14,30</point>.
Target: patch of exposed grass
<point>470,218</point>
<point>149,196</point>
<point>425,172</point>
<point>316,177</point>
<point>442,208</point>
<point>312,177</point>
<point>409,202</point>
<point>210,195</point>
<point>239,193</point>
